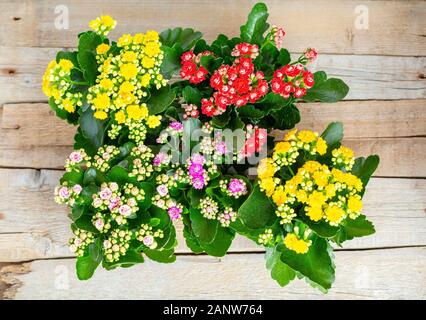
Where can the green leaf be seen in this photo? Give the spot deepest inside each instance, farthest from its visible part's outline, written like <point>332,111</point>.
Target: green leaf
<point>316,264</point>
<point>256,26</point>
<point>350,229</point>
<point>268,55</point>
<point>333,135</point>
<point>85,223</point>
<point>68,55</point>
<point>326,90</point>
<point>204,229</point>
<point>76,212</point>
<point>221,243</point>
<point>74,177</point>
<point>257,211</point>
<point>250,112</point>
<point>280,272</point>
<point>160,99</point>
<point>283,57</point>
<point>322,228</point>
<point>92,129</point>
<point>222,120</point>
<point>92,175</point>
<point>171,61</point>
<point>364,168</point>
<point>131,258</point>
<point>286,118</point>
<point>191,241</point>
<point>163,256</point>
<point>86,265</point>
<point>186,38</point>
<point>192,95</point>
<point>87,43</point>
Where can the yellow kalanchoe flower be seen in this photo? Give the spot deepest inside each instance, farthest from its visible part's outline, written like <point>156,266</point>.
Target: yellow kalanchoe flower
<point>56,85</point>
<point>124,81</point>
<point>317,191</point>
<point>153,121</point>
<point>343,156</point>
<point>292,242</point>
<point>103,25</point>
<point>102,48</point>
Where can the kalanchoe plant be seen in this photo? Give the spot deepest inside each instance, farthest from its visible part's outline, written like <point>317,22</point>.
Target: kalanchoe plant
<point>248,79</point>
<point>136,171</point>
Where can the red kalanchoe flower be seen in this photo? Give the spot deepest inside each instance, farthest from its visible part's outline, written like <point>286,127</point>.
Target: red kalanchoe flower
<point>187,57</point>
<point>310,54</point>
<point>308,78</point>
<point>292,79</point>
<point>246,50</point>
<point>191,69</point>
<point>207,107</point>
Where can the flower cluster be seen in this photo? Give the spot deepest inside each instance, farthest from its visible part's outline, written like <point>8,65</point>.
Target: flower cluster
<point>103,25</point>
<point>298,243</point>
<point>197,173</point>
<point>147,235</point>
<point>120,204</point>
<point>343,157</point>
<point>191,69</point>
<point>141,166</point>
<point>67,194</point>
<point>56,84</point>
<point>235,85</point>
<point>211,210</point>
<point>233,187</point>
<point>103,159</point>
<point>125,78</point>
<point>77,160</point>
<point>81,241</point>
<point>295,143</point>
<point>316,191</point>
<point>117,244</point>
<point>256,138</point>
<point>292,80</point>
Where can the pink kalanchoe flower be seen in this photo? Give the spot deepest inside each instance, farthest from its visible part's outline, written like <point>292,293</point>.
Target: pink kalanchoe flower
<point>310,54</point>
<point>148,241</point>
<point>196,169</point>
<point>77,189</point>
<point>236,186</point>
<point>105,193</point>
<point>278,34</point>
<point>64,193</point>
<point>221,147</point>
<point>125,210</point>
<point>198,158</point>
<point>176,125</point>
<point>162,190</point>
<point>174,213</point>
<point>198,182</point>
<point>113,203</point>
<point>160,159</point>
<point>99,224</point>
<point>76,157</point>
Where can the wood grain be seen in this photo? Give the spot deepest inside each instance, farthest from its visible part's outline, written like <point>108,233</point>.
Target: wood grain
<point>35,227</point>
<point>32,136</point>
<point>394,27</point>
<point>369,77</point>
<point>384,274</point>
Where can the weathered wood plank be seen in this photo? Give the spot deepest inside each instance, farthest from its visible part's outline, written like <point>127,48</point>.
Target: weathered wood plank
<point>32,136</point>
<point>32,226</point>
<point>373,274</point>
<point>369,77</point>
<point>32,23</point>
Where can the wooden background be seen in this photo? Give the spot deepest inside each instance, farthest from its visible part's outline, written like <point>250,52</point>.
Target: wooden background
<point>384,113</point>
